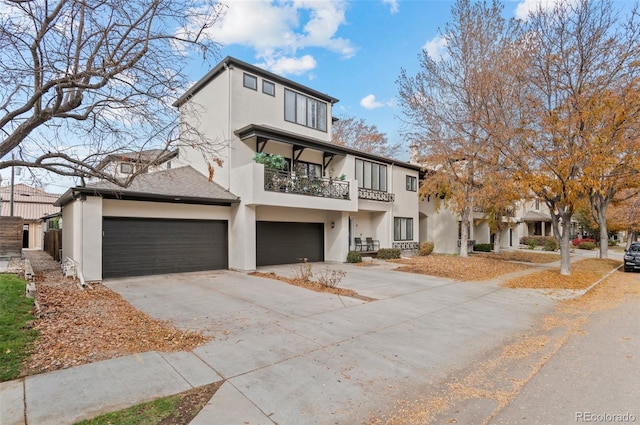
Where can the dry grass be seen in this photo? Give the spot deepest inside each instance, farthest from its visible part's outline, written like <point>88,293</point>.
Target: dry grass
<point>473,268</point>
<point>584,273</point>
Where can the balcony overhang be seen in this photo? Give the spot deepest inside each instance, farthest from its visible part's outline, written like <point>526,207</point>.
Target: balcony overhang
<point>262,134</point>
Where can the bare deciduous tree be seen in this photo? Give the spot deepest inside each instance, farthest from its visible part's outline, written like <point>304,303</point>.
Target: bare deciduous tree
<point>357,134</point>
<point>83,79</point>
<point>445,107</point>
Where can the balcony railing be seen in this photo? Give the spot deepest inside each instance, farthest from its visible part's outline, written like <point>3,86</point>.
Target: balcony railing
<point>288,182</point>
<point>375,195</point>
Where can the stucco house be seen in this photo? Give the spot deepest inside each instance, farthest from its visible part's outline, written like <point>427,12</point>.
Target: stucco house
<point>173,220</point>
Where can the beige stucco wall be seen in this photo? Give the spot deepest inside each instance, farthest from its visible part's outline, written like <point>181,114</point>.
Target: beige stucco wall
<point>442,227</point>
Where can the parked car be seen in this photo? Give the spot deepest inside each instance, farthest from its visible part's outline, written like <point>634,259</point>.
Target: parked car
<point>632,257</point>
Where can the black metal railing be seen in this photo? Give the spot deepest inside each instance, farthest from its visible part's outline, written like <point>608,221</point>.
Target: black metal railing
<point>406,245</point>
<point>375,195</point>
<point>288,182</point>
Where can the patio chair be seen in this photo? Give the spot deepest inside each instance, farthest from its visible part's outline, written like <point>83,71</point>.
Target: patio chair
<point>358,244</point>
<point>373,245</point>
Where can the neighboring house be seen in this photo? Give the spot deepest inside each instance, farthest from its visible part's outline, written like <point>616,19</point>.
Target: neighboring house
<point>249,216</point>
<point>530,218</point>
<point>32,204</point>
<point>122,165</point>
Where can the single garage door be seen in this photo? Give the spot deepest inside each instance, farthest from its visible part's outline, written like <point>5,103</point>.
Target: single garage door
<point>286,243</point>
<point>138,247</point>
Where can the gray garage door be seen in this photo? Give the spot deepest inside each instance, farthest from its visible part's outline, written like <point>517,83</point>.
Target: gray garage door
<point>286,243</point>
<point>138,247</point>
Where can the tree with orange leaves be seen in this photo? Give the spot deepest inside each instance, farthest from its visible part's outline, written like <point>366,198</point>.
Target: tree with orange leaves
<point>579,55</point>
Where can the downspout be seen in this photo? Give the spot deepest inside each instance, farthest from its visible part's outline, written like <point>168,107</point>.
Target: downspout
<point>229,104</point>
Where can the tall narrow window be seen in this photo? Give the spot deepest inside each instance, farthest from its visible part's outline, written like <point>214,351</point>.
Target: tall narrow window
<point>289,106</point>
<point>412,183</point>
<point>301,109</point>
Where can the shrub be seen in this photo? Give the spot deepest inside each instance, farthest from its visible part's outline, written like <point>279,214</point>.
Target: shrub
<point>303,271</point>
<point>587,245</point>
<point>483,247</point>
<point>531,243</point>
<point>388,253</point>
<point>426,248</point>
<point>330,278</point>
<point>578,241</point>
<point>550,245</point>
<point>354,257</point>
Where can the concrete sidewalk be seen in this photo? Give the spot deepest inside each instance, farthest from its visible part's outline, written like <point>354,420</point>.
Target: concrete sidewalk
<point>70,395</point>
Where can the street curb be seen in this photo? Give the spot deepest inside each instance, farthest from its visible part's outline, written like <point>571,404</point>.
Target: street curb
<point>599,281</point>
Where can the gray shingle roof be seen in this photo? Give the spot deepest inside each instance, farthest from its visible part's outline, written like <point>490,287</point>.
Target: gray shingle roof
<point>183,184</point>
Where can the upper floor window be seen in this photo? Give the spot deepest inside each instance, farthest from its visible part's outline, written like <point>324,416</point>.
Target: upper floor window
<point>412,183</point>
<point>371,175</point>
<point>304,110</point>
<point>250,81</point>
<point>537,204</point>
<point>268,87</point>
<point>126,168</point>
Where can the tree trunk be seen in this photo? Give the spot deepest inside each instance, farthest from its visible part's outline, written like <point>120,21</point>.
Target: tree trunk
<point>464,232</point>
<point>604,234</point>
<point>631,237</point>
<point>562,231</point>
<point>496,242</point>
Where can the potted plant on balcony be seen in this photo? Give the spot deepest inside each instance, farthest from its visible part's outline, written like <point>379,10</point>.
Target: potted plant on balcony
<point>270,161</point>
<point>274,178</point>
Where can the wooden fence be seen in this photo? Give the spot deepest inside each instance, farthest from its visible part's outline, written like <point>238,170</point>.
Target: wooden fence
<point>53,243</point>
<point>10,236</point>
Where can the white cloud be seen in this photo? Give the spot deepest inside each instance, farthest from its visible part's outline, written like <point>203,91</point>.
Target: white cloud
<point>393,4</point>
<point>279,29</point>
<point>525,7</point>
<point>435,47</point>
<point>370,102</point>
<point>289,66</point>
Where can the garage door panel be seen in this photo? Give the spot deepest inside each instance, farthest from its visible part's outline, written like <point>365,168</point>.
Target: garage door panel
<point>137,247</point>
<point>286,242</point>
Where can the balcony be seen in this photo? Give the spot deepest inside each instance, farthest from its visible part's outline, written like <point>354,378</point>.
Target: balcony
<point>375,195</point>
<point>288,182</point>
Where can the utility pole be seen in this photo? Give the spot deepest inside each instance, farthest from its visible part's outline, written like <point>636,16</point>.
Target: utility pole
<point>13,175</point>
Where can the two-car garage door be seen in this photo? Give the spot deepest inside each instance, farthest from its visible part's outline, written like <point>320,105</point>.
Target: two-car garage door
<point>138,247</point>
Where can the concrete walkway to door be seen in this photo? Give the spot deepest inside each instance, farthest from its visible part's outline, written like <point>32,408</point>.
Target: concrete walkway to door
<point>292,356</point>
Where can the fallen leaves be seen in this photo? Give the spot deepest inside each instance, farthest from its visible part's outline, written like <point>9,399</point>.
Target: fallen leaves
<point>83,326</point>
<point>584,273</point>
<point>473,268</point>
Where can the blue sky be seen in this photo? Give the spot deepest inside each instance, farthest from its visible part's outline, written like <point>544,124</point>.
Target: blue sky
<point>350,49</point>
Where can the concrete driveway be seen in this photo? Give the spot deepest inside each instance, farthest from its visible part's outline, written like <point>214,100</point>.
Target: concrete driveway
<point>293,356</point>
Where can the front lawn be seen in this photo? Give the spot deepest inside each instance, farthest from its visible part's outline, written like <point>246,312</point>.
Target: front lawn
<point>472,268</point>
<point>584,273</point>
<point>16,332</point>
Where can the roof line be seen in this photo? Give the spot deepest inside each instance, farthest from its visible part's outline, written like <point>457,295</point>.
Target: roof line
<point>228,62</point>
